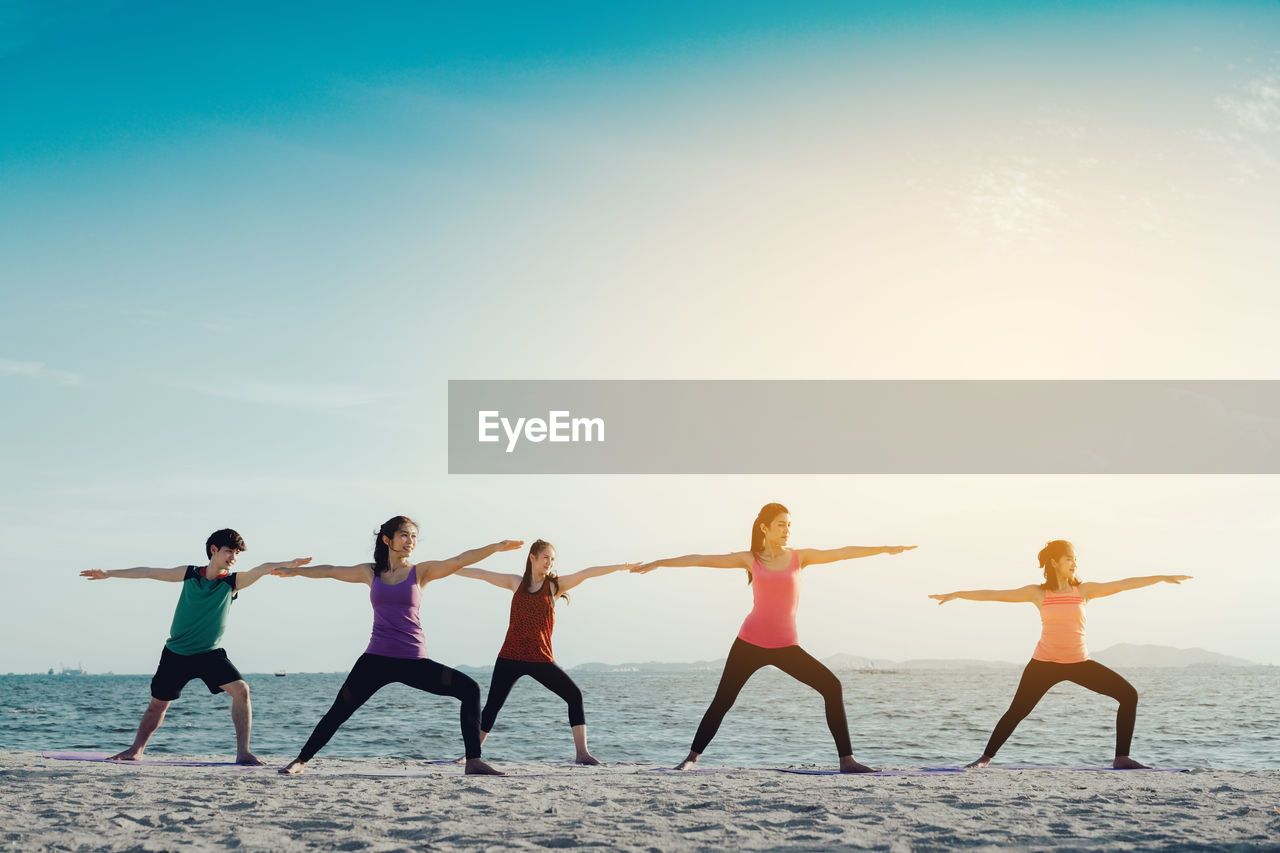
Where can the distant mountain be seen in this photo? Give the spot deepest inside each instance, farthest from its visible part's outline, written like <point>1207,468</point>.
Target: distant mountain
<point>652,666</point>
<point>955,663</point>
<point>1120,656</point>
<point>1129,654</point>
<point>843,661</point>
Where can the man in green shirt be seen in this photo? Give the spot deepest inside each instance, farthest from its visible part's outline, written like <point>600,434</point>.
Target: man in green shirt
<point>192,648</point>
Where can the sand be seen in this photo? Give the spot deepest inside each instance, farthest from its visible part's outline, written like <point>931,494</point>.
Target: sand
<point>64,805</point>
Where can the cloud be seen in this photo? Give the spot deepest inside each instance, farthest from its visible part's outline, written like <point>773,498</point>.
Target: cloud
<point>298,396</point>
<point>1007,201</point>
<point>1257,108</point>
<point>1248,142</point>
<point>37,370</point>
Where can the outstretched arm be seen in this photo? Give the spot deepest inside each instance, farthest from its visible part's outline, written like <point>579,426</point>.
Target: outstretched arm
<point>431,570</point>
<point>501,579</point>
<point>362,573</point>
<point>736,560</point>
<point>244,580</point>
<point>568,582</point>
<point>1031,592</point>
<point>810,556</point>
<point>177,573</point>
<point>1098,590</point>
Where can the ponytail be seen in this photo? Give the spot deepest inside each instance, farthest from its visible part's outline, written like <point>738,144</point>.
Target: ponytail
<point>765,517</point>
<point>381,553</point>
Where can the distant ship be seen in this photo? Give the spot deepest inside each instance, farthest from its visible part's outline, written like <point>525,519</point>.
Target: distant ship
<point>280,673</point>
<point>68,670</point>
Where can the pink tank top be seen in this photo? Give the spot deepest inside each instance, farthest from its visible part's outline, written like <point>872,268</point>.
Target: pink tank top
<point>1062,620</point>
<point>771,624</point>
<point>397,630</point>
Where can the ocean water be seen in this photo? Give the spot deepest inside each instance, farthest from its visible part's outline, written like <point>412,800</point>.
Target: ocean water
<point>1189,717</point>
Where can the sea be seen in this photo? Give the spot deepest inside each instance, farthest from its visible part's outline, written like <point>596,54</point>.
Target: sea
<point>1200,717</point>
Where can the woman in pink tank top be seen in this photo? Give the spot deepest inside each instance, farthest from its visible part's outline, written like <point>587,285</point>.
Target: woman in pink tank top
<point>1061,654</point>
<point>768,636</point>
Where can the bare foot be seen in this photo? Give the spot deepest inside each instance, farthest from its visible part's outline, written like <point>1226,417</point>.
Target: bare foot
<point>587,758</point>
<point>848,764</point>
<point>687,764</point>
<point>1124,762</point>
<point>293,768</point>
<point>251,759</point>
<point>980,764</point>
<point>477,767</point>
<point>129,754</point>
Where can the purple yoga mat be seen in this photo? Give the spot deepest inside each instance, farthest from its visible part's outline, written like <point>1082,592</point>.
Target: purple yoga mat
<point>165,762</point>
<point>1097,767</point>
<point>905,771</point>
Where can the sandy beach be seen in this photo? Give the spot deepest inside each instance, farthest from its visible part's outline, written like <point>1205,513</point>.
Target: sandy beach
<point>73,805</point>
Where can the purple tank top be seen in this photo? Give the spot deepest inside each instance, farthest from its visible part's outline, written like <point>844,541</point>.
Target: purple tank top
<point>397,630</point>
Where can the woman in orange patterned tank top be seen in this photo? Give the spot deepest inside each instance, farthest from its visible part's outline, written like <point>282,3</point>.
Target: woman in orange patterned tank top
<point>1061,654</point>
<point>527,647</point>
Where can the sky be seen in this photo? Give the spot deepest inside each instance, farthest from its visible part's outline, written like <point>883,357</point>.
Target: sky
<point>244,249</point>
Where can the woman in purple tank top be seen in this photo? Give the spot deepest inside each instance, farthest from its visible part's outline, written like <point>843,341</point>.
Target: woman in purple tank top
<point>768,636</point>
<point>397,648</point>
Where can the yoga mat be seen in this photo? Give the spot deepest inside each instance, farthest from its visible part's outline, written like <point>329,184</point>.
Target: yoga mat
<point>163,762</point>
<point>694,770</point>
<point>1097,767</point>
<point>905,771</point>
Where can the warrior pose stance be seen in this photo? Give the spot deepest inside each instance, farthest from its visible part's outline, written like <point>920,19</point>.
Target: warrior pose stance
<point>527,648</point>
<point>192,649</point>
<point>1061,654</point>
<point>398,649</point>
<point>768,636</point>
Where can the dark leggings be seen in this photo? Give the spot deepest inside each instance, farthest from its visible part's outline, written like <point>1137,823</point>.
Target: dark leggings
<point>507,672</point>
<point>373,672</point>
<point>744,659</point>
<point>1040,675</point>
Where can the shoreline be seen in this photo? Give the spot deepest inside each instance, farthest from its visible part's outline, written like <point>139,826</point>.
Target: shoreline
<point>392,804</point>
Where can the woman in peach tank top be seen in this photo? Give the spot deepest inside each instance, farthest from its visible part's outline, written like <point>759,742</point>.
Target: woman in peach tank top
<point>768,635</point>
<point>1061,654</point>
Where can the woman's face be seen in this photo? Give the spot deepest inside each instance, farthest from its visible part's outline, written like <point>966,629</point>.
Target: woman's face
<point>543,561</point>
<point>778,531</point>
<point>405,540</point>
<point>1065,565</point>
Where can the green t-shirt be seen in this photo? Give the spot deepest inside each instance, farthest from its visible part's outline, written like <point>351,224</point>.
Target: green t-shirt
<point>201,615</point>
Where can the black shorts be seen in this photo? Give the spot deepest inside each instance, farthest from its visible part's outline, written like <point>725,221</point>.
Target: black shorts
<point>175,670</point>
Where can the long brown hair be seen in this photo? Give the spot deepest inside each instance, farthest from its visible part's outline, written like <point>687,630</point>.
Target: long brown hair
<point>1050,552</point>
<point>535,549</point>
<point>767,514</point>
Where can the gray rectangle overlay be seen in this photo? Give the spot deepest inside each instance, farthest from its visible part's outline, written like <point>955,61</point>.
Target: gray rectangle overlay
<point>948,427</point>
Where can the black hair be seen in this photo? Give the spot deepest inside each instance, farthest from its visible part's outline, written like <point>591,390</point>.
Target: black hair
<point>224,538</point>
<point>389,528</point>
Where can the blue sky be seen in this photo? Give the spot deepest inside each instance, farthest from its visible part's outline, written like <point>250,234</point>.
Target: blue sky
<point>242,250</point>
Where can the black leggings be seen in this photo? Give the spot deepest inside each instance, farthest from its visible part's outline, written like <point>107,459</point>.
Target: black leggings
<point>373,672</point>
<point>507,672</point>
<point>744,659</point>
<point>1040,675</point>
